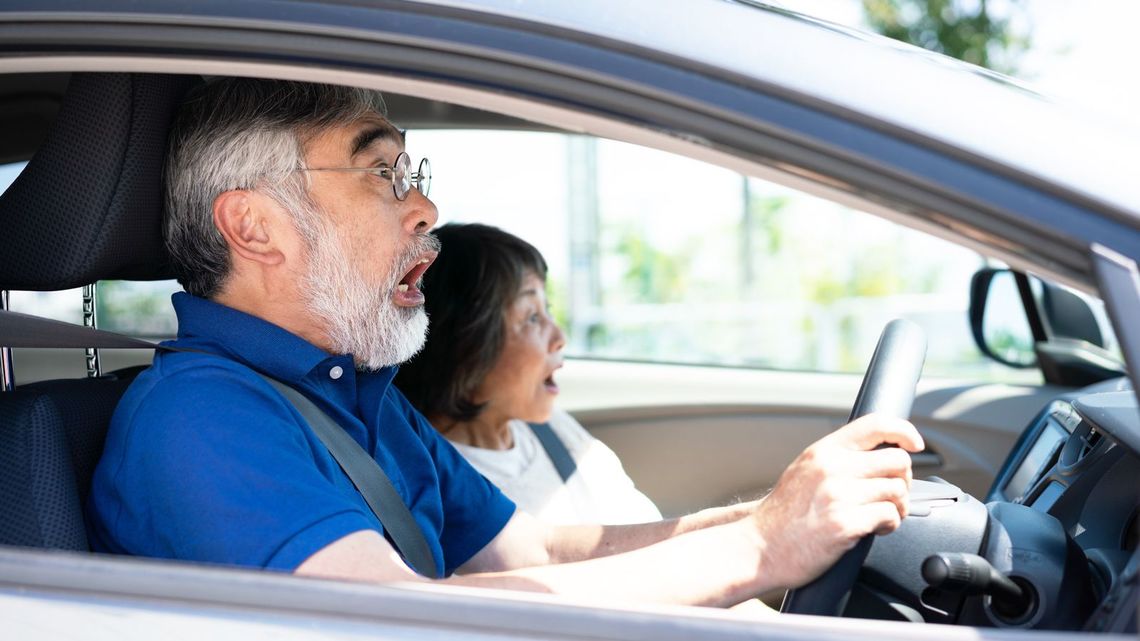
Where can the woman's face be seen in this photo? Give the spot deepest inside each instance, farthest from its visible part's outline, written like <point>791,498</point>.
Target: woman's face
<point>521,383</point>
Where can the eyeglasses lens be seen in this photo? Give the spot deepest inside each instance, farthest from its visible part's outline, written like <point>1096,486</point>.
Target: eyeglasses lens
<point>423,177</point>
<point>401,181</point>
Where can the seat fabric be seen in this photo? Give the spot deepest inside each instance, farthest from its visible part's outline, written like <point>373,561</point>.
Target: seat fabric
<point>51,437</point>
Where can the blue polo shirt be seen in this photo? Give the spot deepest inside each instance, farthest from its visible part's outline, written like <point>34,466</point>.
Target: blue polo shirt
<point>205,461</point>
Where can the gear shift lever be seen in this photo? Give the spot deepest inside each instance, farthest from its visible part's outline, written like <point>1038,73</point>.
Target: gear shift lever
<point>972,574</point>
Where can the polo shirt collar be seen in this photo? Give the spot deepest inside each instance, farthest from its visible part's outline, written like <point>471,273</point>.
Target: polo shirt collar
<point>251,340</point>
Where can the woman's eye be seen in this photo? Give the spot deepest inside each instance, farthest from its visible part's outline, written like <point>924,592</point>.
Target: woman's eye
<point>534,318</point>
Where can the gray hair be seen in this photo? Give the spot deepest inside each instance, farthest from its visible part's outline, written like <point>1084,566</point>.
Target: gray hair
<point>245,133</point>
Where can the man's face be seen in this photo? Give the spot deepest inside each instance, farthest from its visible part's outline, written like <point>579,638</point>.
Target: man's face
<point>369,249</point>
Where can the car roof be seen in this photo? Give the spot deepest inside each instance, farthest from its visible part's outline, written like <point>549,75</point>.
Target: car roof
<point>942,100</point>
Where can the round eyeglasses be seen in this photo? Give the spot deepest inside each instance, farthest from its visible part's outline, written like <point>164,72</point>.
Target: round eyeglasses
<point>399,173</point>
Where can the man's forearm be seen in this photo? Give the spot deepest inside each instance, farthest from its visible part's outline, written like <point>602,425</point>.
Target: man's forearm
<point>713,566</point>
<point>571,543</point>
<point>716,566</point>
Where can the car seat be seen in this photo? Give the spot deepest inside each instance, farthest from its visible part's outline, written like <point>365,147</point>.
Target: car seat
<point>87,207</point>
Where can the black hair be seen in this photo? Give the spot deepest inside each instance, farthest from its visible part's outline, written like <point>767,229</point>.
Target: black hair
<point>474,280</point>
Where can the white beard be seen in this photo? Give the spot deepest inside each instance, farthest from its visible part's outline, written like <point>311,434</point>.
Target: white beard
<point>360,319</point>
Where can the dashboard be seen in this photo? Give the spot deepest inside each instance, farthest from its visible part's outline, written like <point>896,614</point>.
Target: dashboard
<point>1078,463</point>
<point>1054,545</point>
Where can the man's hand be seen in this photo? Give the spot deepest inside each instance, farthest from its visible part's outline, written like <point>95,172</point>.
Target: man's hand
<point>838,490</point>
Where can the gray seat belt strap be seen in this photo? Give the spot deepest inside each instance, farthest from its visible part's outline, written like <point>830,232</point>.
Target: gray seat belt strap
<point>555,449</point>
<point>24,330</point>
<point>373,484</point>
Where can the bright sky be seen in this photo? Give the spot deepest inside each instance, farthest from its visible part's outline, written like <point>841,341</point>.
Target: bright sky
<point>1083,53</point>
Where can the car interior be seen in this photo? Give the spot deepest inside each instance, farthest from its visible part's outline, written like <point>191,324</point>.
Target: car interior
<point>1036,481</point>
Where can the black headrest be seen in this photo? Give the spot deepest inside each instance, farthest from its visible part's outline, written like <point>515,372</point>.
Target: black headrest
<point>88,206</point>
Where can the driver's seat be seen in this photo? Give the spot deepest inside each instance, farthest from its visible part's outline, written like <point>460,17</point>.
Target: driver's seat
<point>86,208</point>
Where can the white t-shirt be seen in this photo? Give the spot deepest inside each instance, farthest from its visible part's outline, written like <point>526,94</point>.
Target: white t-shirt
<point>598,492</point>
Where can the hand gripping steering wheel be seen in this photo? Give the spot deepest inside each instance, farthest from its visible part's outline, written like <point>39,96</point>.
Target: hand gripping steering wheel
<point>888,388</point>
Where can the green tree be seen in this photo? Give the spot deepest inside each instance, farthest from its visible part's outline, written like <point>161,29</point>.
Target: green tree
<point>970,31</point>
<point>651,275</point>
<point>766,214</point>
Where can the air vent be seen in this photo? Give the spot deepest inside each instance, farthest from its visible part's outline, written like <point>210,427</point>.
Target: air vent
<point>1089,443</point>
<point>1084,442</point>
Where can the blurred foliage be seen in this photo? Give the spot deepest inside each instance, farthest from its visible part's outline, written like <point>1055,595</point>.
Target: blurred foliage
<point>651,275</point>
<point>1012,346</point>
<point>137,308</point>
<point>767,213</point>
<point>881,270</point>
<point>558,299</point>
<point>974,31</point>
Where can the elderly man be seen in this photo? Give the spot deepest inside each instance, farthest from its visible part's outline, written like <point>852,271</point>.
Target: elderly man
<point>300,234</point>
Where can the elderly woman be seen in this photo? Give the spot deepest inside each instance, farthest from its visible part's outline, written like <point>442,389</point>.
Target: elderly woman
<point>485,380</point>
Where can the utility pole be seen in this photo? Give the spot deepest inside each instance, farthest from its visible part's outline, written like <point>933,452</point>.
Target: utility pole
<point>585,280</point>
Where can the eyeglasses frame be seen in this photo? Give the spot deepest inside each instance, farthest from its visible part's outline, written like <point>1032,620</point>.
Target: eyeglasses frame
<point>420,179</point>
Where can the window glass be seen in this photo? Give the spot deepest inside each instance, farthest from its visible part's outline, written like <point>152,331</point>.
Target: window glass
<point>9,172</point>
<point>658,257</point>
<point>140,309</point>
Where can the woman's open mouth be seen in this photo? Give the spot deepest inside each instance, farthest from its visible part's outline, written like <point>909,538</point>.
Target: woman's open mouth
<point>548,383</point>
<point>408,292</point>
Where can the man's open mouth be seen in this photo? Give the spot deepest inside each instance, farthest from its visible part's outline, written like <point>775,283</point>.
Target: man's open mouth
<point>413,278</point>
<point>408,292</point>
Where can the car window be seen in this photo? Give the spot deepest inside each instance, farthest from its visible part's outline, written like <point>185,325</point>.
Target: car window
<point>140,309</point>
<point>770,278</point>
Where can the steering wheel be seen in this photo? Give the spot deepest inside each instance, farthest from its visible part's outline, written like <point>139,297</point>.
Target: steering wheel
<point>888,388</point>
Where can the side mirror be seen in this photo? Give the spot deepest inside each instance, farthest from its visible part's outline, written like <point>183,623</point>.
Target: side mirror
<point>1022,321</point>
<point>998,321</point>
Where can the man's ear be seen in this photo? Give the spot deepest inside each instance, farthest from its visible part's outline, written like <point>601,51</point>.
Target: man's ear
<point>247,223</point>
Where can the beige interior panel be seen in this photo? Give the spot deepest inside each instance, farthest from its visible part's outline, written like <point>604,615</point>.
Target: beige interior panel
<point>686,460</point>
<point>691,437</point>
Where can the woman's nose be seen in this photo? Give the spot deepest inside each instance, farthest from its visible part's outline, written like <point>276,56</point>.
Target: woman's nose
<point>558,340</point>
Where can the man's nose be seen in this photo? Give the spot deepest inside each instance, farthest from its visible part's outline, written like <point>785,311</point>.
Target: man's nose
<point>420,213</point>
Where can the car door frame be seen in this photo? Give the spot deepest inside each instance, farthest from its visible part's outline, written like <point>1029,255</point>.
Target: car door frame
<point>873,167</point>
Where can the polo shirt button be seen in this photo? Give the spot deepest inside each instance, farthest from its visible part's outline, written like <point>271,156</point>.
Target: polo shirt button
<point>336,372</point>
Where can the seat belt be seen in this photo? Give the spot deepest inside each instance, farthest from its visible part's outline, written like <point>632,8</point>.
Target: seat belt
<point>555,449</point>
<point>369,479</point>
<point>25,330</point>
